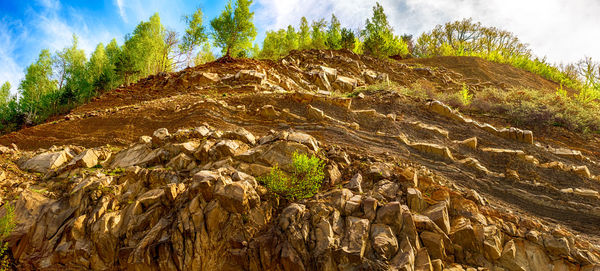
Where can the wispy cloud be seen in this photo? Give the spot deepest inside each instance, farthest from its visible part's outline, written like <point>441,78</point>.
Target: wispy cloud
<point>50,4</point>
<point>10,34</point>
<point>121,6</point>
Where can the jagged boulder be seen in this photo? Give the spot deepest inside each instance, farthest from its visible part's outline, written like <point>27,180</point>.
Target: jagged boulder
<point>45,162</point>
<point>140,154</point>
<point>355,240</point>
<point>439,214</point>
<point>88,158</point>
<point>205,78</point>
<point>384,240</point>
<point>237,197</point>
<point>240,134</point>
<point>345,84</point>
<point>251,76</point>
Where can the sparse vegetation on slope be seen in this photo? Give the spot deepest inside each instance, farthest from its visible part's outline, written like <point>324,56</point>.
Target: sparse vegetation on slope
<point>467,38</point>
<point>517,106</point>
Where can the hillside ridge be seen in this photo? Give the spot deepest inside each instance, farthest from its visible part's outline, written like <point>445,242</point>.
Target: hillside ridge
<point>166,174</point>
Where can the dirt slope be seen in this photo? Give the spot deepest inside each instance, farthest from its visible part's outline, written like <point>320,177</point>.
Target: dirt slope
<point>478,72</point>
<point>553,183</point>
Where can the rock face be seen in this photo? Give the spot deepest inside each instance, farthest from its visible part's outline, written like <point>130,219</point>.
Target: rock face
<point>398,194</point>
<point>187,203</point>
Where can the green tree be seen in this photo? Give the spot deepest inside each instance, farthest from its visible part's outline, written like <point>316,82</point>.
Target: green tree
<point>234,31</point>
<point>67,62</point>
<point>109,77</point>
<point>71,70</point>
<point>97,62</point>
<point>466,37</point>
<point>408,40</point>
<point>304,41</point>
<point>97,66</point>
<point>274,45</point>
<point>291,39</point>
<point>36,84</point>
<point>205,55</point>
<point>348,39</point>
<point>318,35</point>
<point>126,68</point>
<point>113,51</point>
<point>334,34</point>
<point>194,35</point>
<point>255,53</point>
<point>144,49</point>
<point>379,39</point>
<point>4,93</point>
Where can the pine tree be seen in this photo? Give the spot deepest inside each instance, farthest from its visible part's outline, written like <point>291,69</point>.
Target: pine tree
<point>291,39</point>
<point>380,40</point>
<point>318,35</point>
<point>304,41</point>
<point>234,31</point>
<point>334,35</point>
<point>348,39</point>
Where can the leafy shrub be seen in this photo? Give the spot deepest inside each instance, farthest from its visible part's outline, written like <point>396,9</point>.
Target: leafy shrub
<point>465,96</point>
<point>303,182</point>
<point>7,224</point>
<point>588,94</point>
<point>561,91</point>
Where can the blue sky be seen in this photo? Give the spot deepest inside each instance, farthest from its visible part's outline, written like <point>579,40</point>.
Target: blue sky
<point>564,31</point>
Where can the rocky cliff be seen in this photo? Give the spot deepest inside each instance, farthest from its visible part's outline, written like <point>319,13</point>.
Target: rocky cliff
<point>164,175</point>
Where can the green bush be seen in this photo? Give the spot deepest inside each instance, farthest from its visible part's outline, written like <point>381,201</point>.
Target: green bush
<point>303,182</point>
<point>7,224</point>
<point>465,96</point>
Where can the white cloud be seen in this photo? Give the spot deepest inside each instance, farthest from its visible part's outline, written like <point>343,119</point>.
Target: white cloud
<point>564,31</point>
<point>50,4</point>
<point>9,70</point>
<point>121,7</point>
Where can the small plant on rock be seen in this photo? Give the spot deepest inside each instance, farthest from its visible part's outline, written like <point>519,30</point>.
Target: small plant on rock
<point>303,182</point>
<point>465,96</point>
<point>7,224</point>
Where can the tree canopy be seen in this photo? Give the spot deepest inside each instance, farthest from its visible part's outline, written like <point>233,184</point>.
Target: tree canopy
<point>194,35</point>
<point>334,34</point>
<point>145,48</point>
<point>4,93</point>
<point>234,30</point>
<point>379,38</point>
